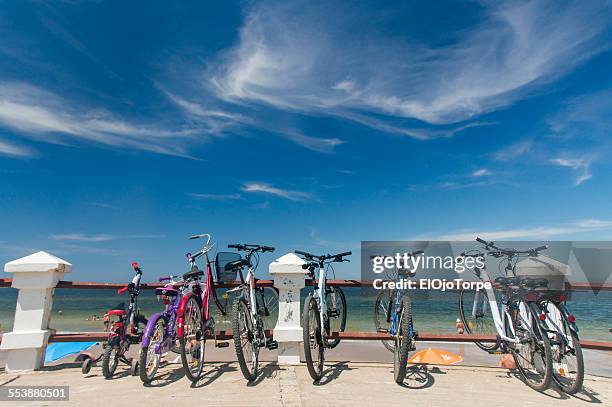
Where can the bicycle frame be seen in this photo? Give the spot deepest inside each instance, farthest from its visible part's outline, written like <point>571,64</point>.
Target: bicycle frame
<point>500,319</point>
<point>170,316</point>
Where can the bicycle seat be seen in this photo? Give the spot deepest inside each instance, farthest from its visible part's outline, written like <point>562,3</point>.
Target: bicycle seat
<point>236,264</point>
<point>534,282</point>
<point>118,312</point>
<point>193,273</point>
<point>506,281</point>
<point>168,291</point>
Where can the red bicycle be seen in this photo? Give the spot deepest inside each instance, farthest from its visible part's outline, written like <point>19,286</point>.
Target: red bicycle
<point>195,324</point>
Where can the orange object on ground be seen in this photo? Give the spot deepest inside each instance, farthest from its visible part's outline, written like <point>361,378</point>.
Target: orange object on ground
<point>507,362</point>
<point>435,357</point>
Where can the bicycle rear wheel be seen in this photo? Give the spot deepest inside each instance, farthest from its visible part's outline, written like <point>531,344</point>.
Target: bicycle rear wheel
<point>382,316</point>
<point>477,318</point>
<point>314,348</point>
<point>245,343</point>
<point>532,355</point>
<point>403,340</point>
<point>193,342</point>
<point>568,363</point>
<point>336,313</point>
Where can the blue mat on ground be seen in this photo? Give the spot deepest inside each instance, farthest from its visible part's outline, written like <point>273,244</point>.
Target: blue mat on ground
<point>56,351</point>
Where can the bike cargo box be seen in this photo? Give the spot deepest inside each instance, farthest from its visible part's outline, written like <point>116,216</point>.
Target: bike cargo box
<point>220,261</point>
<point>541,266</point>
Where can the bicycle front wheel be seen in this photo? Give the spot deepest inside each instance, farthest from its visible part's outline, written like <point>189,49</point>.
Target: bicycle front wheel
<point>245,342</point>
<point>336,313</point>
<point>403,340</point>
<point>110,360</point>
<point>149,357</point>
<point>532,355</point>
<point>477,318</point>
<point>314,348</point>
<point>193,343</point>
<point>568,363</point>
<point>382,316</point>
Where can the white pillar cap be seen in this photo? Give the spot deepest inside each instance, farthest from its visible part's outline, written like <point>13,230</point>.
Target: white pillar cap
<point>41,262</point>
<point>287,264</point>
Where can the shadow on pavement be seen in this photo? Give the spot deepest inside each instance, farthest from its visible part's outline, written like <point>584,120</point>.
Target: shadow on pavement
<point>419,377</point>
<point>333,372</point>
<point>213,374</point>
<point>588,395</point>
<point>166,378</point>
<point>267,371</point>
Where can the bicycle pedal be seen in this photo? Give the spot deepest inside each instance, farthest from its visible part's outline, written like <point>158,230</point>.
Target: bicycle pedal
<point>271,345</point>
<point>496,352</point>
<point>222,344</point>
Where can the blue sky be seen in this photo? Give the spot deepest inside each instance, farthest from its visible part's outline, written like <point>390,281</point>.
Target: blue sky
<point>127,126</point>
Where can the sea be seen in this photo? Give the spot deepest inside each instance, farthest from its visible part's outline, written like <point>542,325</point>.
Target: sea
<point>81,310</point>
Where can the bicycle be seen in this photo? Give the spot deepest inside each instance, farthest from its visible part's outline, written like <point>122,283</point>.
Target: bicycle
<point>567,358</point>
<point>248,328</point>
<point>126,331</point>
<point>325,306</point>
<point>393,315</point>
<point>195,323</point>
<point>519,329</point>
<point>160,334</point>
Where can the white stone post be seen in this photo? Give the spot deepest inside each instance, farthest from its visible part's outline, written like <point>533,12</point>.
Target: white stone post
<point>35,276</point>
<point>288,279</point>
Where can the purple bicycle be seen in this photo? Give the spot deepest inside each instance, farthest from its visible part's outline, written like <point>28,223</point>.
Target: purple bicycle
<point>160,334</point>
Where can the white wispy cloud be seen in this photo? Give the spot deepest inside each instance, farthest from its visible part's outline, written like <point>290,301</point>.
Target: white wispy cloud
<point>260,187</point>
<point>482,172</point>
<point>307,59</point>
<point>83,237</point>
<point>539,232</point>
<point>215,197</point>
<point>43,115</point>
<point>580,165</point>
<point>14,150</point>
<point>514,150</point>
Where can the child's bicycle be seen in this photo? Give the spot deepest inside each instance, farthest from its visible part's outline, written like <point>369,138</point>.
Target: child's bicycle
<point>393,315</point>
<point>324,312</point>
<point>126,330</point>
<point>160,334</point>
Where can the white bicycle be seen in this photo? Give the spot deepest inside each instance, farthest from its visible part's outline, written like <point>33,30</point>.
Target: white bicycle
<point>324,312</point>
<point>517,327</point>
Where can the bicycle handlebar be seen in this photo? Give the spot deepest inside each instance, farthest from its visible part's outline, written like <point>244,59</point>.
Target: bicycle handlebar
<point>310,256</point>
<point>251,247</point>
<point>499,252</point>
<point>122,290</point>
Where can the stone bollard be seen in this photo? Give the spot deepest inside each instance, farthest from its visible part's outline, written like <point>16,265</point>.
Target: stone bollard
<point>35,276</point>
<point>288,279</point>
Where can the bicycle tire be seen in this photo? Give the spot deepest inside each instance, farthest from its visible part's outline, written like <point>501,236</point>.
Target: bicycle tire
<point>341,317</point>
<point>560,381</point>
<point>313,337</point>
<point>547,356</point>
<point>109,367</point>
<point>197,336</point>
<point>384,301</point>
<point>147,376</point>
<point>242,313</point>
<point>468,326</point>
<point>403,341</point>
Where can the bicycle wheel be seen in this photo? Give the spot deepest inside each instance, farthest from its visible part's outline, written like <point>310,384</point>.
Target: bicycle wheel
<point>110,360</point>
<point>382,316</point>
<point>247,348</point>
<point>314,349</point>
<point>336,313</point>
<point>403,340</point>
<point>149,358</point>
<point>477,318</point>
<point>532,354</point>
<point>568,363</point>
<point>193,342</point>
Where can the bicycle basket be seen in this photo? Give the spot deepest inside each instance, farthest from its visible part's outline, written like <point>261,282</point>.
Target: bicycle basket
<point>220,261</point>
